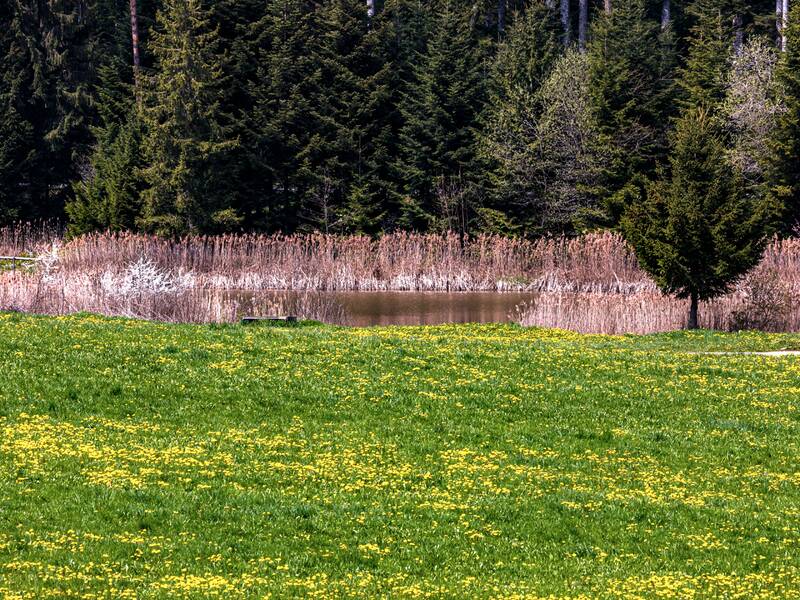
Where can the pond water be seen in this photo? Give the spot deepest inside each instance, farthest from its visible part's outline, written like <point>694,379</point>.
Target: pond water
<point>366,309</point>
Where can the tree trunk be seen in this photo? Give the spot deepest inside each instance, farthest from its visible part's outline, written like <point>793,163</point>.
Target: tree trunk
<point>565,21</point>
<point>135,36</point>
<point>693,311</point>
<point>583,23</point>
<point>779,23</point>
<point>501,17</point>
<point>137,61</point>
<point>370,8</point>
<point>738,35</point>
<point>607,6</point>
<point>785,15</point>
<point>666,14</point>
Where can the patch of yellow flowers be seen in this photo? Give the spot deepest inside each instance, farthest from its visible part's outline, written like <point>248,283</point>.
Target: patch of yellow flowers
<point>326,467</point>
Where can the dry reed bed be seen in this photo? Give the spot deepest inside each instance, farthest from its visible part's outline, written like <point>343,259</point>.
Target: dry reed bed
<point>29,239</point>
<point>589,284</point>
<point>599,263</point>
<point>401,262</point>
<point>648,312</point>
<point>61,295</point>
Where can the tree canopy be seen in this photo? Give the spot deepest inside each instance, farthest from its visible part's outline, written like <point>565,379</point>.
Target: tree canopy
<point>521,117</point>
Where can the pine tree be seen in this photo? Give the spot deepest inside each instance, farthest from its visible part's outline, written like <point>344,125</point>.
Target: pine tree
<point>109,195</point>
<point>439,137</point>
<point>236,22</point>
<point>15,134</point>
<point>523,62</point>
<point>354,106</point>
<point>525,58</point>
<point>632,63</point>
<point>784,169</point>
<point>694,230</point>
<point>410,25</point>
<point>187,142</point>
<point>702,78</point>
<point>282,127</point>
<point>46,65</point>
<point>15,142</point>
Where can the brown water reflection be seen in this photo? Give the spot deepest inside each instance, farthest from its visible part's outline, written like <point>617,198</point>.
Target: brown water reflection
<point>365,309</point>
<point>428,308</point>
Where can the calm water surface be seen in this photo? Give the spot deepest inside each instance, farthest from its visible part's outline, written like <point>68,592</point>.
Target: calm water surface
<point>365,309</point>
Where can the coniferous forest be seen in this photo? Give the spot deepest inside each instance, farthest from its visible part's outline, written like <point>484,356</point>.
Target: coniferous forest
<point>514,117</point>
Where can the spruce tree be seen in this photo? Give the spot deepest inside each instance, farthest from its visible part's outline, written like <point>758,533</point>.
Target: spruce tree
<point>632,63</point>
<point>409,26</point>
<point>189,176</point>
<point>46,66</point>
<point>702,78</point>
<point>522,64</point>
<point>236,22</point>
<point>353,103</point>
<point>15,142</point>
<point>524,59</point>
<point>694,230</point>
<point>109,194</point>
<point>323,115</point>
<point>439,137</point>
<point>282,127</point>
<point>784,169</point>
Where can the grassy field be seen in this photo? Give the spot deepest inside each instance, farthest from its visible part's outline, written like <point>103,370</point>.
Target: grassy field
<point>140,460</point>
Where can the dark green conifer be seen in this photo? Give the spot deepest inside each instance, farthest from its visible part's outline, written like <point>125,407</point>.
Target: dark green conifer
<point>282,127</point>
<point>439,139</point>
<point>15,144</point>
<point>355,110</point>
<point>694,230</point>
<point>47,65</point>
<point>522,64</point>
<point>702,78</point>
<point>188,136</point>
<point>632,87</point>
<point>108,196</point>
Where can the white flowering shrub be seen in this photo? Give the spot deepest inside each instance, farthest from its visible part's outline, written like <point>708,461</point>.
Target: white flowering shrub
<point>47,262</point>
<point>144,277</point>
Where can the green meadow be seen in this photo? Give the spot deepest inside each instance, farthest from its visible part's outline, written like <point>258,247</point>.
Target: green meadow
<point>142,460</point>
